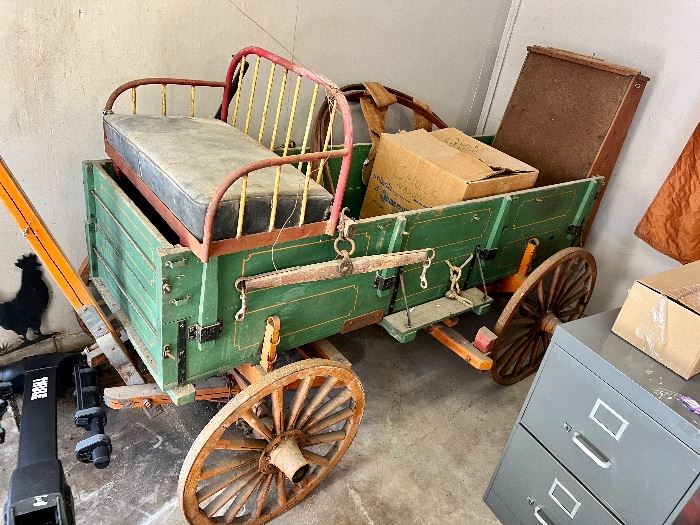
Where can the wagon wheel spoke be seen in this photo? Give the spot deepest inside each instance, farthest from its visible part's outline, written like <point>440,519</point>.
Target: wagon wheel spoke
<point>210,489</point>
<point>227,494</point>
<point>278,410</point>
<point>228,466</point>
<point>281,490</point>
<point>228,477</point>
<point>243,496</point>
<point>315,458</point>
<point>257,425</point>
<point>557,291</point>
<point>554,284</point>
<point>516,352</point>
<point>299,400</point>
<point>263,493</point>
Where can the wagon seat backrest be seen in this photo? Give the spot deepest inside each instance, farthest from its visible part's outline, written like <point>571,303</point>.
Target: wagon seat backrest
<point>278,105</point>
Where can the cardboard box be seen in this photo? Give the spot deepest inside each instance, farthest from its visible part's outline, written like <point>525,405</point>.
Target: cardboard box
<point>417,169</point>
<point>661,317</point>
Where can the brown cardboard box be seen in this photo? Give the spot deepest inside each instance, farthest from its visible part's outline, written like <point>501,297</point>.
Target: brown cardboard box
<point>417,169</point>
<point>661,317</point>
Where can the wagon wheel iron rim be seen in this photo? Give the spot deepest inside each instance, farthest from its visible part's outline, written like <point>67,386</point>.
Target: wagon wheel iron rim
<point>231,477</point>
<point>557,291</point>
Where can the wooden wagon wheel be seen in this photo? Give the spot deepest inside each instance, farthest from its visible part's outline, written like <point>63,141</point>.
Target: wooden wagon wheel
<point>557,291</point>
<point>231,477</point>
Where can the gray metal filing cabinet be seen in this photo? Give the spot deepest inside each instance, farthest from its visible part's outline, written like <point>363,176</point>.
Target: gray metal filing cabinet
<point>601,438</point>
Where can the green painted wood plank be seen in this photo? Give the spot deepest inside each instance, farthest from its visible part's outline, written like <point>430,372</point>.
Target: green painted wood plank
<point>137,290</point>
<point>150,355</point>
<point>432,312</point>
<point>142,324</point>
<point>111,198</point>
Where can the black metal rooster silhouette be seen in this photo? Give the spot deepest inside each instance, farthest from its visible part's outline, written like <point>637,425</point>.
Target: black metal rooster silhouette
<point>24,311</point>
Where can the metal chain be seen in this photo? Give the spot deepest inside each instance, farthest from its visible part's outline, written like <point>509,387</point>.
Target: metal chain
<point>455,275</point>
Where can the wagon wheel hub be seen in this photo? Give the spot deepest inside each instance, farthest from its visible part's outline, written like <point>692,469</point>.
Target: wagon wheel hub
<point>549,322</point>
<point>284,453</point>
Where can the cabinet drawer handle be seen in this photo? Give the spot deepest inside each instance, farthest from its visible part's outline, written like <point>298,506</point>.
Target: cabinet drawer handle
<point>581,442</point>
<point>541,516</point>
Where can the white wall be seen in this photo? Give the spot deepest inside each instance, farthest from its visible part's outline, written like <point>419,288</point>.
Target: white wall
<point>60,59</point>
<point>662,38</point>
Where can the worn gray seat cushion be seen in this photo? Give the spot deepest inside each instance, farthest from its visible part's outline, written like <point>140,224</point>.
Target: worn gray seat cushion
<point>183,161</point>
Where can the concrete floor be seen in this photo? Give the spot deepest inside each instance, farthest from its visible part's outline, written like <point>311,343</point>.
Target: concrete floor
<point>433,431</point>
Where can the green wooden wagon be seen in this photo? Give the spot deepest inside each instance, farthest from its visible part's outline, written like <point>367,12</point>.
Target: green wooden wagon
<point>219,283</point>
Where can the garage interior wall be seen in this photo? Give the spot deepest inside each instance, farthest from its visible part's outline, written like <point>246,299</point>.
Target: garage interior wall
<point>62,58</point>
<point>662,39</point>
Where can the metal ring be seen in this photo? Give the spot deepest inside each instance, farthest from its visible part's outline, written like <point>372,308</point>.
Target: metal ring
<point>339,251</point>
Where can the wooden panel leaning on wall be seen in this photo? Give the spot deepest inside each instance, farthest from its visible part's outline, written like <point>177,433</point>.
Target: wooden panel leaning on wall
<point>569,115</point>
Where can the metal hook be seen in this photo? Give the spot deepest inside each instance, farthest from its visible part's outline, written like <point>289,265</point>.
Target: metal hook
<point>240,314</point>
<point>426,265</point>
<point>343,253</point>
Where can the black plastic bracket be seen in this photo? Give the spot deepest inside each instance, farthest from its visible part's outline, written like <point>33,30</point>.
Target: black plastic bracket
<point>575,230</point>
<point>96,449</point>
<point>204,334</point>
<point>6,393</point>
<point>99,444</point>
<point>486,254</point>
<point>384,283</point>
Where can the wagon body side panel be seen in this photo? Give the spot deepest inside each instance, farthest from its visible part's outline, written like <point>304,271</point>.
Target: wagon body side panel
<point>454,232</point>
<point>308,311</point>
<point>157,289</point>
<point>124,259</point>
<point>552,214</point>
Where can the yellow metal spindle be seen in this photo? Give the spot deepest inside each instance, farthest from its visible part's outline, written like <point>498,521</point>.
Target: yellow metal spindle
<point>275,196</point>
<point>241,69</point>
<point>302,211</point>
<point>252,95</point>
<point>280,99</point>
<point>292,116</point>
<point>287,138</point>
<point>241,206</point>
<point>309,118</point>
<point>266,104</point>
<point>192,102</point>
<point>163,102</point>
<point>326,143</point>
<point>133,101</point>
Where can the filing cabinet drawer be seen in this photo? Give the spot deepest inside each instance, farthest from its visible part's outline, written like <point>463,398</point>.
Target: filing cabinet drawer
<point>532,487</point>
<point>624,457</point>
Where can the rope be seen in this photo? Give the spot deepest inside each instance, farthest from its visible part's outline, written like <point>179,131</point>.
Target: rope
<point>455,275</point>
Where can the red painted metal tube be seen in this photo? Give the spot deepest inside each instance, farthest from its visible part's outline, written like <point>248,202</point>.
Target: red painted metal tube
<point>159,80</point>
<point>213,206</point>
<point>332,91</point>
